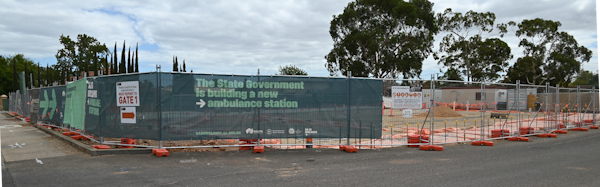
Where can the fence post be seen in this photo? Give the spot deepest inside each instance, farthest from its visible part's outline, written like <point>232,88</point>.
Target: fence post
<point>557,109</point>
<point>158,80</point>
<point>348,76</point>
<point>546,108</point>
<point>482,109</point>
<point>258,108</point>
<point>432,108</point>
<point>518,98</point>
<point>593,105</point>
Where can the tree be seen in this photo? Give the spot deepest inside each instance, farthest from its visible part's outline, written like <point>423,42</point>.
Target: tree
<point>122,67</point>
<point>183,65</point>
<point>451,74</point>
<point>115,61</point>
<point>137,68</point>
<point>468,46</point>
<point>552,56</point>
<point>175,64</point>
<point>129,69</point>
<point>66,57</point>
<point>586,78</point>
<point>80,55</point>
<point>524,69</point>
<point>490,59</point>
<point>291,70</point>
<point>382,38</point>
<point>10,67</point>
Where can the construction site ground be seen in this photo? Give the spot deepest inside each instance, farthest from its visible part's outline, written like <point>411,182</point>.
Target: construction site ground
<point>42,160</point>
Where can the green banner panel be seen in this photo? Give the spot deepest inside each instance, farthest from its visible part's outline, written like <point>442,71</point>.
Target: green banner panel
<point>104,111</point>
<point>52,104</point>
<point>75,104</point>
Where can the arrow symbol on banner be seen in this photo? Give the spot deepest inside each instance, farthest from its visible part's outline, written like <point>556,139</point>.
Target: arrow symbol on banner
<point>129,115</point>
<point>201,103</point>
<point>45,102</point>
<point>52,103</point>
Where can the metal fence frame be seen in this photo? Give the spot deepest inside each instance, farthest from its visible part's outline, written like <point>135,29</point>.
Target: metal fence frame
<point>556,115</point>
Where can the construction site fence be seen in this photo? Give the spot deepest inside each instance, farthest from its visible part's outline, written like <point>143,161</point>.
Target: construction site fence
<point>191,110</point>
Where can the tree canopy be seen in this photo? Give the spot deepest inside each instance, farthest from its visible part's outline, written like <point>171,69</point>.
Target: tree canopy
<point>10,66</point>
<point>469,47</point>
<point>80,56</point>
<point>382,38</point>
<point>291,70</point>
<point>586,78</point>
<point>550,55</point>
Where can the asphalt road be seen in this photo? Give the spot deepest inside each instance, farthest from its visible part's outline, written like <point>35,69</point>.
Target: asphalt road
<point>569,160</point>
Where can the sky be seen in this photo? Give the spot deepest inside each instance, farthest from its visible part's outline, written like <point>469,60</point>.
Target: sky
<point>239,36</point>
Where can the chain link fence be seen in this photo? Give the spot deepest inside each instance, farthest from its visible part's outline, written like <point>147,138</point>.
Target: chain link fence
<point>297,112</point>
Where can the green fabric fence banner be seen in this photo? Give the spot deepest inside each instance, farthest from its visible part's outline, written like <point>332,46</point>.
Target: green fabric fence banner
<point>75,104</point>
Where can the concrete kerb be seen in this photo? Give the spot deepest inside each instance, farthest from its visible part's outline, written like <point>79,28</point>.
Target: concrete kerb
<point>89,149</point>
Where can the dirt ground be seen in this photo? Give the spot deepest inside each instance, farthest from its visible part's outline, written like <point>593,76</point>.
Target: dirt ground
<point>467,119</point>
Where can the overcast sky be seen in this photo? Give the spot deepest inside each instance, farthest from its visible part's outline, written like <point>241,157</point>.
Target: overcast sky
<point>239,37</point>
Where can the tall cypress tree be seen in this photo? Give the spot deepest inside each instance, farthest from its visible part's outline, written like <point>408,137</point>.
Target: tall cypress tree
<point>15,77</point>
<point>26,74</point>
<point>114,57</point>
<point>95,65</point>
<point>137,68</point>
<point>106,65</point>
<point>184,65</point>
<point>129,61</point>
<point>38,76</point>
<point>174,69</point>
<point>122,68</point>
<point>47,76</point>
<point>112,67</point>
<point>176,65</point>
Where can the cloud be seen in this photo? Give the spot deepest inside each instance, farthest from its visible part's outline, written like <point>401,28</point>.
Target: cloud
<point>237,37</point>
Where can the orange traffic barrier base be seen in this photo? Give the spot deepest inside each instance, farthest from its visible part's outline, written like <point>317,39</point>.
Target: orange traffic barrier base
<point>483,143</point>
<point>593,127</point>
<point>518,138</point>
<point>547,135</point>
<point>76,137</point>
<point>259,149</point>
<point>160,152</point>
<point>130,141</point>
<point>560,131</point>
<point>351,149</point>
<point>69,133</point>
<point>579,129</point>
<point>101,146</point>
<point>431,147</point>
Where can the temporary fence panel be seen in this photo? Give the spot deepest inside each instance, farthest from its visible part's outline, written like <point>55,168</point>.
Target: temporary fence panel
<point>34,103</point>
<point>75,104</point>
<point>201,106</point>
<point>52,104</point>
<point>408,112</point>
<point>124,106</point>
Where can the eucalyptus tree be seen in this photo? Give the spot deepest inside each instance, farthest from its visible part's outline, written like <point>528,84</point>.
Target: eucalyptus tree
<point>382,38</point>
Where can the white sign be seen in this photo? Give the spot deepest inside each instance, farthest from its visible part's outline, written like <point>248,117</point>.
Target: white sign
<point>128,115</point>
<point>404,97</point>
<point>407,113</point>
<point>128,93</point>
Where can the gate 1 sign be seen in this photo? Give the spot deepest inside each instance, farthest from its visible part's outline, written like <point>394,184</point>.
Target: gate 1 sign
<point>128,93</point>
<point>404,97</point>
